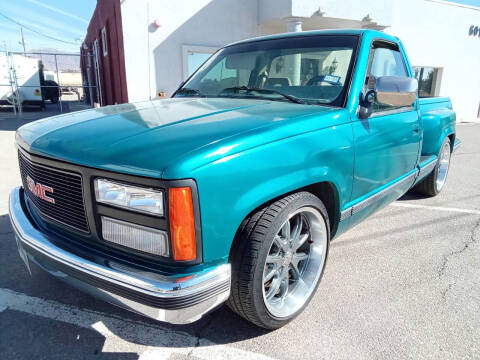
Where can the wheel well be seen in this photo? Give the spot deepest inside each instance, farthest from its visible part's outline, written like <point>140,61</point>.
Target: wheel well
<point>452,141</point>
<point>325,191</point>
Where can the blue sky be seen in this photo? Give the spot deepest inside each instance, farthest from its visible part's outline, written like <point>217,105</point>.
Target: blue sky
<point>466,2</point>
<point>64,20</point>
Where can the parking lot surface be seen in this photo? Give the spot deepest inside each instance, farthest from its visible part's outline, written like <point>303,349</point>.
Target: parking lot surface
<point>403,284</point>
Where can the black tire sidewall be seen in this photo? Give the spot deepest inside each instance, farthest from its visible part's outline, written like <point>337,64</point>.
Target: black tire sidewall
<point>270,321</point>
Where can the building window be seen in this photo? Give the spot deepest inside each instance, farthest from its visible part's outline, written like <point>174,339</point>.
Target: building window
<point>428,80</point>
<point>104,42</point>
<point>194,57</point>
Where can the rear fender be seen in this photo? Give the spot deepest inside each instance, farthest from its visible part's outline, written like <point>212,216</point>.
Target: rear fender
<point>437,125</point>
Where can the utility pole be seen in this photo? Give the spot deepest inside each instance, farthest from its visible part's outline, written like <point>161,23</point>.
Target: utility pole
<point>23,41</point>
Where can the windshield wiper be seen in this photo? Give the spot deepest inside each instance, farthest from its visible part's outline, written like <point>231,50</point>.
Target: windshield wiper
<point>190,91</point>
<point>270,91</point>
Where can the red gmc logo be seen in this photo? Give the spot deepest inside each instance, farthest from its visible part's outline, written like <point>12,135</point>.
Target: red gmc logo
<point>40,190</point>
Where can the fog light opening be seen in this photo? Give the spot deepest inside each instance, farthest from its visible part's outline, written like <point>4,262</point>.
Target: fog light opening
<point>141,238</point>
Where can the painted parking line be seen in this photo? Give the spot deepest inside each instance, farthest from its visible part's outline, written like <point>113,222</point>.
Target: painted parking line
<point>473,122</point>
<point>149,341</point>
<point>437,208</point>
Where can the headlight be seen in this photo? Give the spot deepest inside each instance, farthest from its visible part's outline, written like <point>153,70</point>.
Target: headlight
<point>130,197</point>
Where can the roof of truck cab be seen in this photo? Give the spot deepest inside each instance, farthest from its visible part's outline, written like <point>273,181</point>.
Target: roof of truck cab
<point>372,33</point>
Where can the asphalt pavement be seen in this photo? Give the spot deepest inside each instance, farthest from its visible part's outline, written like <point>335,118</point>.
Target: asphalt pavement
<point>403,284</point>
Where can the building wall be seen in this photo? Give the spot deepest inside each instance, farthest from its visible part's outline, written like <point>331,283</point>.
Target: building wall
<point>435,34</point>
<point>272,10</point>
<point>154,60</point>
<point>113,84</point>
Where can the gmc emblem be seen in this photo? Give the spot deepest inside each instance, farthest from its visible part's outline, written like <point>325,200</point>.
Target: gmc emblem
<point>40,190</point>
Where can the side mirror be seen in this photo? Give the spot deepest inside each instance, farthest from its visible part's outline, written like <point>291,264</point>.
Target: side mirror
<point>396,90</point>
<point>366,100</point>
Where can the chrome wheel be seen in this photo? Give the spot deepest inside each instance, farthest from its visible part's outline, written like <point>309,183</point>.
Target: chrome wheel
<point>294,262</point>
<point>443,165</point>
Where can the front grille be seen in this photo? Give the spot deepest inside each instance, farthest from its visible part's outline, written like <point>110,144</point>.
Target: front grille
<point>69,206</point>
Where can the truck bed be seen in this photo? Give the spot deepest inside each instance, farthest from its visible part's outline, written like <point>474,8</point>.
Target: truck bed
<point>437,121</point>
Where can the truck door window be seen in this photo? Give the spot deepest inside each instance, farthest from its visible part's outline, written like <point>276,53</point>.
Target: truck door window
<point>384,62</point>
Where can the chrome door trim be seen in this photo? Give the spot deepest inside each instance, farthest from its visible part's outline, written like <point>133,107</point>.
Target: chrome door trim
<point>352,210</point>
<point>426,169</point>
<point>345,214</point>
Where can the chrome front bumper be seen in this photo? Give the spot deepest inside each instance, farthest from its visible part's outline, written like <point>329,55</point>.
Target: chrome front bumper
<point>166,298</point>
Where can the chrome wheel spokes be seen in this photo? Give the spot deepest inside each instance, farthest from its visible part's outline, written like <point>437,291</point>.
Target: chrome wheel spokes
<point>294,262</point>
<point>443,165</point>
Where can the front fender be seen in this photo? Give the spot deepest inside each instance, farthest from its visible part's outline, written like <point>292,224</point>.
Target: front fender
<point>232,187</point>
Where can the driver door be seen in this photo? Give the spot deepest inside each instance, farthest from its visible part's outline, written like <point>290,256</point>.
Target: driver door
<point>387,143</point>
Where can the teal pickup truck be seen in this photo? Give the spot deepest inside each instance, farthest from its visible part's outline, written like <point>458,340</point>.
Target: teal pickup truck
<point>231,190</point>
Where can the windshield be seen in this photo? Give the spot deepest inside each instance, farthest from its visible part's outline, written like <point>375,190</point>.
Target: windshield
<point>307,69</point>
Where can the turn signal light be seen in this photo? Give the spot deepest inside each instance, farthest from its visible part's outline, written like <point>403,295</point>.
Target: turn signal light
<point>182,224</point>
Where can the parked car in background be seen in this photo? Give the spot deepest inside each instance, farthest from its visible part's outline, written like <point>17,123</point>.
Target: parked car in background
<point>51,91</point>
<point>232,190</point>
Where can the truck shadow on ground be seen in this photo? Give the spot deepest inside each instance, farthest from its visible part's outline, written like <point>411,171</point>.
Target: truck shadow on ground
<point>412,195</point>
<point>221,326</point>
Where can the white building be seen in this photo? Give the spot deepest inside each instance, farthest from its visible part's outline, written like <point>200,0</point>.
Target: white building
<point>164,41</point>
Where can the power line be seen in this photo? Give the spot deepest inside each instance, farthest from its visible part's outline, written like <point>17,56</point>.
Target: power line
<point>37,32</point>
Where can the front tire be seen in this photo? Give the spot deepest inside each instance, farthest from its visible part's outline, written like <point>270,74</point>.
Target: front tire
<point>435,181</point>
<point>278,259</point>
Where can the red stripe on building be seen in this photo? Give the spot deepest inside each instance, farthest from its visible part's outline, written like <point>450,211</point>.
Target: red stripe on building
<point>111,64</point>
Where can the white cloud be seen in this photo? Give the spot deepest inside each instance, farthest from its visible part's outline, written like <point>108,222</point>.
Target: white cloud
<point>50,25</point>
<point>57,10</point>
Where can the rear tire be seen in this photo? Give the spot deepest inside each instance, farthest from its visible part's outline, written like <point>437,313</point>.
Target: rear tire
<point>435,181</point>
<point>294,234</point>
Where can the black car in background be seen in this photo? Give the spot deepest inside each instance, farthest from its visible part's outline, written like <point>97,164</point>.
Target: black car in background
<point>51,91</point>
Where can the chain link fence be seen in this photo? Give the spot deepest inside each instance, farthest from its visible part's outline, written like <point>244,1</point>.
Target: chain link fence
<point>46,80</point>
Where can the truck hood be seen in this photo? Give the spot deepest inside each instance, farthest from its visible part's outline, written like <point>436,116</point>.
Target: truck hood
<point>145,138</point>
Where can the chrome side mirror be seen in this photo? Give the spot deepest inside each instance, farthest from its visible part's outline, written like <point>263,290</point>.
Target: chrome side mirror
<point>396,90</point>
